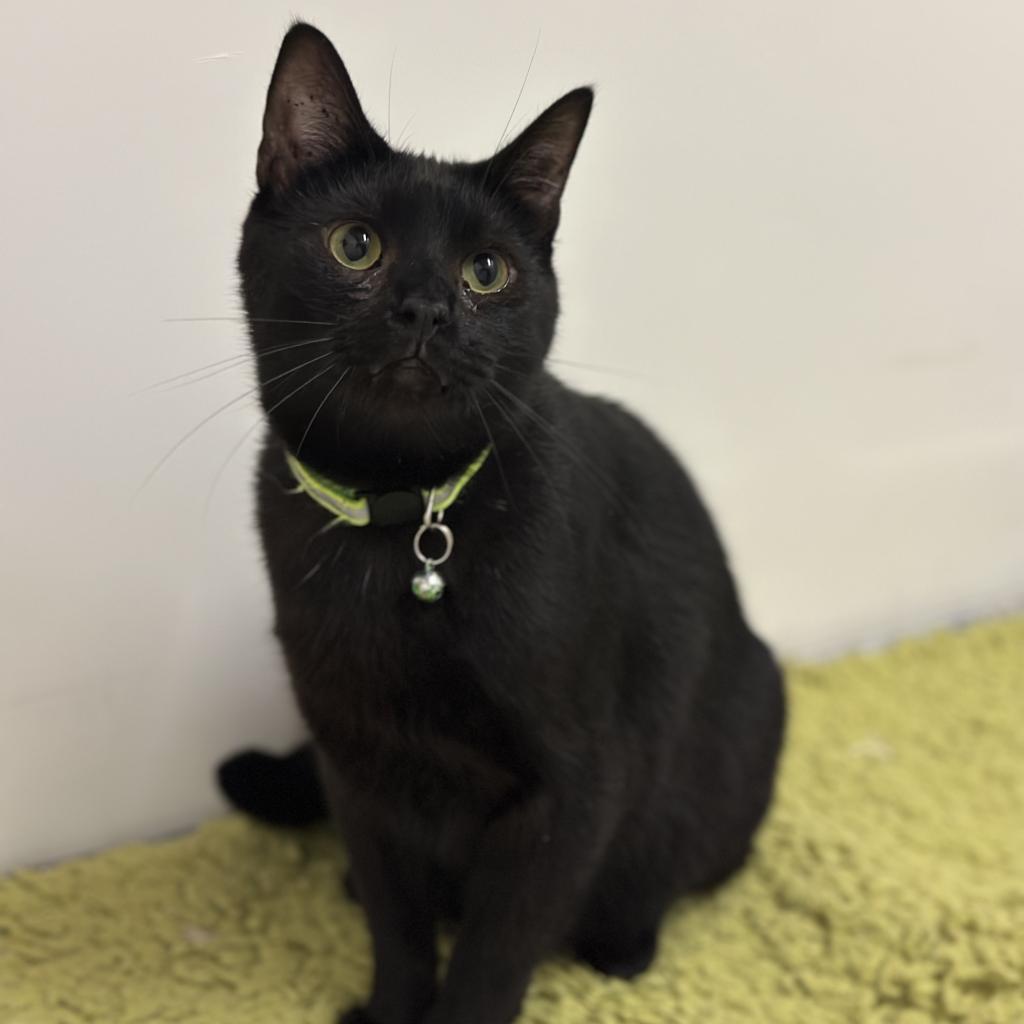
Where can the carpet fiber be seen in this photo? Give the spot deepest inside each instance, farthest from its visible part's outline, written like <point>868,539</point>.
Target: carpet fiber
<point>887,887</point>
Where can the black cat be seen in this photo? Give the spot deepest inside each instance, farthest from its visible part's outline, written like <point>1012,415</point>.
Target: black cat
<point>566,725</point>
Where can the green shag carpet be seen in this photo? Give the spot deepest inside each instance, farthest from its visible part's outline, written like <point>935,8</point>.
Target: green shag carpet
<point>888,886</point>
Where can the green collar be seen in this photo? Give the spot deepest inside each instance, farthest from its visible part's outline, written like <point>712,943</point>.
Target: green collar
<point>361,508</point>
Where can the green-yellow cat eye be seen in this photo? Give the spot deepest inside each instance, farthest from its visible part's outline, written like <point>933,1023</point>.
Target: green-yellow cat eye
<point>354,245</point>
<point>485,272</point>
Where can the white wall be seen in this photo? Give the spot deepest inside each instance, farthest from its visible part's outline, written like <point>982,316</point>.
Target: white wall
<point>798,224</point>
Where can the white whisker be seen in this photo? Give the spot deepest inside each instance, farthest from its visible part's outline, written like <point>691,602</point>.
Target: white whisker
<point>244,319</point>
<point>227,405</point>
<point>316,411</point>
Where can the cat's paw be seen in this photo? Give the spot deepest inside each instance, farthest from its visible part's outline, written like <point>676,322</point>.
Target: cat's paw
<point>619,958</point>
<point>348,883</point>
<point>356,1015</point>
<point>361,1015</point>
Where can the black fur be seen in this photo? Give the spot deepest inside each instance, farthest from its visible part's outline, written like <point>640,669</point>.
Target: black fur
<point>584,728</point>
<point>277,790</point>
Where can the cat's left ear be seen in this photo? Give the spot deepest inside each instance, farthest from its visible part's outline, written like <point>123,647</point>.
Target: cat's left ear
<point>312,112</point>
<point>534,167</point>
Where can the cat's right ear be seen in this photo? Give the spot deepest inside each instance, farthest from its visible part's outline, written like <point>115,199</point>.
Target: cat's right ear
<point>312,112</point>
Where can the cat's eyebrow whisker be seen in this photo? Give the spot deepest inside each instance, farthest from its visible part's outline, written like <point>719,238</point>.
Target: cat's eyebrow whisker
<point>391,75</point>
<point>515,106</point>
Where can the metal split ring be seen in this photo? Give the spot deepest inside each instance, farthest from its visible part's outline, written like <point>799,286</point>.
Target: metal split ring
<point>449,543</point>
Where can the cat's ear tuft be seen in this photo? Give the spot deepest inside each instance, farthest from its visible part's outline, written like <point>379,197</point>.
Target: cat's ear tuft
<point>312,112</point>
<point>534,167</point>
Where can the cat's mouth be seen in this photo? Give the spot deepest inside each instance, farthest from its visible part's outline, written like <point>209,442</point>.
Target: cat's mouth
<point>410,373</point>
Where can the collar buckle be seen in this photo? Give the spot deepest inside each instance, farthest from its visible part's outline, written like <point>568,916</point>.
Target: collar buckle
<point>395,508</point>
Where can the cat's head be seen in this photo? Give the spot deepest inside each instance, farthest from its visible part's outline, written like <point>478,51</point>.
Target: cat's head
<point>397,303</point>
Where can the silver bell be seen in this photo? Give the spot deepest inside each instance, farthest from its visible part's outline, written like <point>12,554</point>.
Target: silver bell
<point>428,584</point>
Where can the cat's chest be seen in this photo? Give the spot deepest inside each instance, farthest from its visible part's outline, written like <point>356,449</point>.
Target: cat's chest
<point>391,686</point>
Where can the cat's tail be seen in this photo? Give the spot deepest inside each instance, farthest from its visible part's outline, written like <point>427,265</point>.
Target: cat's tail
<point>276,790</point>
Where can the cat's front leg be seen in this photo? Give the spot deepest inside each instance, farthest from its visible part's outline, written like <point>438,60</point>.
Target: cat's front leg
<point>393,884</point>
<point>532,871</point>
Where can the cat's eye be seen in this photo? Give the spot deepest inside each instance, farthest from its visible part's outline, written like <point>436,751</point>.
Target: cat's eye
<point>354,245</point>
<point>485,272</point>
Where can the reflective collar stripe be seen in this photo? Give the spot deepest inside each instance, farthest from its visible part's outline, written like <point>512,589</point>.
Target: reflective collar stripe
<point>349,507</point>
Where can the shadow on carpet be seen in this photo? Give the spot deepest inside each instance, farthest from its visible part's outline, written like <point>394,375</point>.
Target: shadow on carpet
<point>887,887</point>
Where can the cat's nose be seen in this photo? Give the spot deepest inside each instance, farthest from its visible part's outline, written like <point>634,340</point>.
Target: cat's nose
<point>423,317</point>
